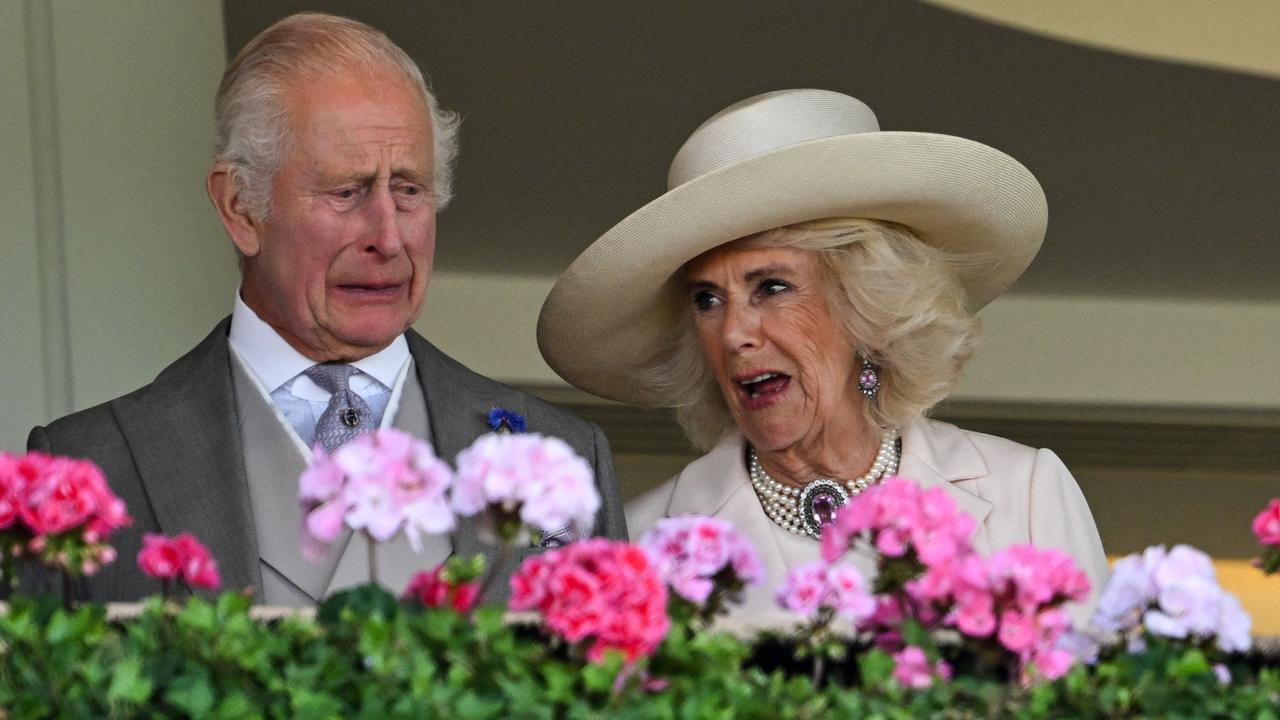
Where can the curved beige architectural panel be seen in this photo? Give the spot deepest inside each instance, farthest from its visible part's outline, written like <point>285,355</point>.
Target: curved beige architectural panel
<point>1232,34</point>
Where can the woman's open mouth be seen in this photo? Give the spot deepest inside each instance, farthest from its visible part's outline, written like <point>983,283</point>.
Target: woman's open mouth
<point>761,389</point>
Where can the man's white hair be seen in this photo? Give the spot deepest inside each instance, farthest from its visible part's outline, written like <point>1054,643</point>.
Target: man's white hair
<point>251,115</point>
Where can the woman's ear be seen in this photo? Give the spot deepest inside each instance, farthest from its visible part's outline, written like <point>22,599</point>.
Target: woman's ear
<point>228,200</point>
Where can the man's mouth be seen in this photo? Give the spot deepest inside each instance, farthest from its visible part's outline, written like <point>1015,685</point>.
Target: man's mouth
<point>762,385</point>
<point>371,290</point>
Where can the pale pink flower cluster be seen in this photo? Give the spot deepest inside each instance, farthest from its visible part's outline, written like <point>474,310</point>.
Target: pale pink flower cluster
<point>929,573</point>
<point>695,554</point>
<point>181,557</point>
<point>1171,593</point>
<point>58,509</point>
<point>1028,586</point>
<point>603,591</point>
<point>815,587</point>
<point>912,669</point>
<point>539,479</point>
<point>380,483</point>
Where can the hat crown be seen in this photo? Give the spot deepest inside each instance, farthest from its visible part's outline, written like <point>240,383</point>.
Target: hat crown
<point>768,122</point>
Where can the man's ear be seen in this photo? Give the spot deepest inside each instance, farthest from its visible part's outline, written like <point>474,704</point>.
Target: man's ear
<point>224,191</point>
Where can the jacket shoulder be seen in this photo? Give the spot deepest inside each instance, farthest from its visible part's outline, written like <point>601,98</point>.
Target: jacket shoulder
<point>95,430</point>
<point>947,439</point>
<point>542,415</point>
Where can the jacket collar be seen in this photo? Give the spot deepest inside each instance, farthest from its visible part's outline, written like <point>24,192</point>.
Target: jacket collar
<point>183,433</point>
<point>938,454</point>
<point>934,454</point>
<point>458,404</point>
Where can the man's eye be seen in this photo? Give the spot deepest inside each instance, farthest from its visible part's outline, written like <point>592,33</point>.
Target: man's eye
<point>346,193</point>
<point>705,300</point>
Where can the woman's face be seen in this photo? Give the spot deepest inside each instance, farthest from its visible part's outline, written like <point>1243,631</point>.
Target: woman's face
<point>783,363</point>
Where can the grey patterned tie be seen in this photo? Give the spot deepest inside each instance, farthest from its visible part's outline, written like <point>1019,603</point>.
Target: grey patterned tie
<point>348,414</point>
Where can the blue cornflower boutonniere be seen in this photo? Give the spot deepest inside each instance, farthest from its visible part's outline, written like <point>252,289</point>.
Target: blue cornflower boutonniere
<point>502,420</point>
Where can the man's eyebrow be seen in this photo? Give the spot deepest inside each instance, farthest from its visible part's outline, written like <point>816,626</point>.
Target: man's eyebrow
<point>364,179</point>
<point>412,175</point>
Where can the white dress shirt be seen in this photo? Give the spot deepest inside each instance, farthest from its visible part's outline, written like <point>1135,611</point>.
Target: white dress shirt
<point>279,369</point>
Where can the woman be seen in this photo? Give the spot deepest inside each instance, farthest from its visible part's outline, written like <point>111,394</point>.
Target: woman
<point>803,294</point>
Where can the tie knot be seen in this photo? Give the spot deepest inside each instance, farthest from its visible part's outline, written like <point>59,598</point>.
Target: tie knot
<point>331,377</point>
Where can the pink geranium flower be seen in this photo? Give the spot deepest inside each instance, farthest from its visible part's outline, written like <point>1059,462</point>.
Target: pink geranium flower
<point>181,558</point>
<point>705,561</point>
<point>814,588</point>
<point>912,669</point>
<point>433,591</point>
<point>380,483</point>
<point>1266,526</point>
<point>602,592</point>
<point>538,479</point>
<point>930,574</point>
<point>58,509</point>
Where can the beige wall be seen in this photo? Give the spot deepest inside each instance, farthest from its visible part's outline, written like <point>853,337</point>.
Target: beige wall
<point>112,263</point>
<point>1053,349</point>
<point>21,339</point>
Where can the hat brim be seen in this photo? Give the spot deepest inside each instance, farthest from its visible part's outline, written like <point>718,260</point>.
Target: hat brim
<point>612,311</point>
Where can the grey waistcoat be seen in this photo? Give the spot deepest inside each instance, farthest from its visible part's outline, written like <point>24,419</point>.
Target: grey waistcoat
<point>273,460</point>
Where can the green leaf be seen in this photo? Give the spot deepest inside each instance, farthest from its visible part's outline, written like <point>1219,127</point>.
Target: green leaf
<point>875,667</point>
<point>1189,664</point>
<point>191,692</point>
<point>364,600</point>
<point>913,633</point>
<point>59,629</point>
<point>599,677</point>
<point>128,685</point>
<point>471,707</point>
<point>308,705</point>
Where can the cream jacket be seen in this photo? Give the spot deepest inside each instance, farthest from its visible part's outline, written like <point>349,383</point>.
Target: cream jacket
<point>1016,493</point>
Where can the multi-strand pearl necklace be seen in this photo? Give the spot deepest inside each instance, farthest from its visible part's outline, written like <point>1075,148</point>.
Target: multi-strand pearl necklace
<point>802,510</point>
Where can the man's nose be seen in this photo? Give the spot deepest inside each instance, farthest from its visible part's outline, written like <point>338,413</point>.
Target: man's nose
<point>384,228</point>
<point>741,329</point>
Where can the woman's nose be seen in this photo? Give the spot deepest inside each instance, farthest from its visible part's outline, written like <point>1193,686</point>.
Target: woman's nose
<point>741,326</point>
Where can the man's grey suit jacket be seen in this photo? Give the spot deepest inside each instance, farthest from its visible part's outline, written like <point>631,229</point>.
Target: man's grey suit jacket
<point>171,451</point>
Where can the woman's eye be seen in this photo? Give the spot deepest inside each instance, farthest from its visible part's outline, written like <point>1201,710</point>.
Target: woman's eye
<point>704,300</point>
<point>773,287</point>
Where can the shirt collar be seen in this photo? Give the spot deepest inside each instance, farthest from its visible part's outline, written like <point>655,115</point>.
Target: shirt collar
<point>275,362</point>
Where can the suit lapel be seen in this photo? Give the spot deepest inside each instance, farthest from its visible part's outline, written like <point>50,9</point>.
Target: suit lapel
<point>184,437</point>
<point>937,454</point>
<point>458,412</point>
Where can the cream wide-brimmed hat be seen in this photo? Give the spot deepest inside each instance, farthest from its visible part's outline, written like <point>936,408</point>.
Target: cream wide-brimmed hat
<point>772,160</point>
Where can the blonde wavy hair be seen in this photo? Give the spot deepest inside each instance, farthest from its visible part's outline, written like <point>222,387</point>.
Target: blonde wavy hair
<point>900,304</point>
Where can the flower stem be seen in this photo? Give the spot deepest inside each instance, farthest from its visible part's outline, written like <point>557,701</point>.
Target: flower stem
<point>372,545</point>
<point>818,667</point>
<point>504,551</point>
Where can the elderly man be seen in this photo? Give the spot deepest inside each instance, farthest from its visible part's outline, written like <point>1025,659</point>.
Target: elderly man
<point>333,158</point>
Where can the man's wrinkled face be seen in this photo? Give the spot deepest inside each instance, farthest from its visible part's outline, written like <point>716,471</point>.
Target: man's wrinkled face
<point>343,261</point>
